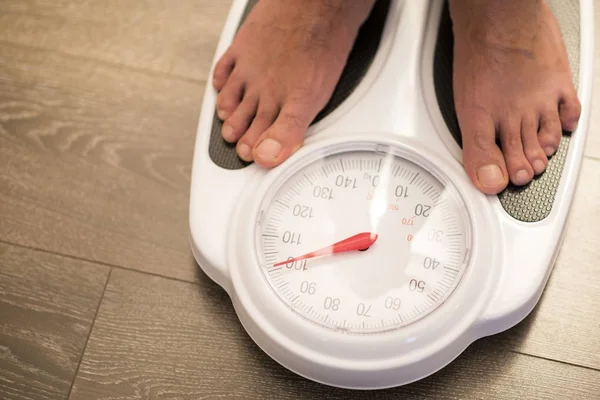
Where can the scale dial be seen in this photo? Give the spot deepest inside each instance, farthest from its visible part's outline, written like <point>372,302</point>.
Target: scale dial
<point>315,225</point>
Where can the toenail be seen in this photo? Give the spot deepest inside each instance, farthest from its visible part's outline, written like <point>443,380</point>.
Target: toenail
<point>222,114</point>
<point>244,152</point>
<point>521,177</point>
<point>549,150</point>
<point>490,175</point>
<point>226,132</point>
<point>268,149</point>
<point>538,166</point>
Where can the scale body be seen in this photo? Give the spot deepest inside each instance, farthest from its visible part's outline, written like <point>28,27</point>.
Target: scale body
<point>501,263</point>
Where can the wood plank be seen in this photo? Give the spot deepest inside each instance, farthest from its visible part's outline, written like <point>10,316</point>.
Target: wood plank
<point>593,142</point>
<point>95,161</point>
<point>566,324</point>
<point>154,337</point>
<point>174,37</point>
<point>47,305</point>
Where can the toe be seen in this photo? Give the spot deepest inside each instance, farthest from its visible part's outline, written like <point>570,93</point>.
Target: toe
<point>531,145</point>
<point>483,159</point>
<point>264,118</point>
<point>222,71</point>
<point>519,168</point>
<point>284,137</point>
<point>230,96</point>
<point>238,122</point>
<point>570,111</point>
<point>550,131</point>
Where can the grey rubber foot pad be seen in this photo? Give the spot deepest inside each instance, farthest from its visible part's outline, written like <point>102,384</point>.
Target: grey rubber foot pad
<point>367,43</point>
<point>533,202</point>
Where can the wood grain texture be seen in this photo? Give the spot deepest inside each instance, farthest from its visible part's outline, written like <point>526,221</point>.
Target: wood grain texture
<point>47,305</point>
<point>174,37</point>
<point>95,161</point>
<point>566,324</point>
<point>593,142</point>
<point>161,339</point>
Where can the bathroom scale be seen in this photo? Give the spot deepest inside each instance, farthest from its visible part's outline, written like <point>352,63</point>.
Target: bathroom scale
<point>368,260</point>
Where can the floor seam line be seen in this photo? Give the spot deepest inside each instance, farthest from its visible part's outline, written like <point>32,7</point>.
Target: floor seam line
<point>87,340</point>
<point>102,263</point>
<point>554,360</point>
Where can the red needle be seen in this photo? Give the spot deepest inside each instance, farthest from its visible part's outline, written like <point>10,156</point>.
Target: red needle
<point>361,241</point>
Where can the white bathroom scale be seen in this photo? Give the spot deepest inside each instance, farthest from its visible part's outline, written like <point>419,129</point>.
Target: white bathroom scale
<point>368,259</point>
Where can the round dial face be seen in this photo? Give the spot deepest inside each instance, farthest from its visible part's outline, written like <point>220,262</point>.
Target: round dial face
<point>362,241</point>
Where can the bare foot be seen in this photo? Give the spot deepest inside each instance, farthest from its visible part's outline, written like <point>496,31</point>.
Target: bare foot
<point>511,79</point>
<point>281,70</point>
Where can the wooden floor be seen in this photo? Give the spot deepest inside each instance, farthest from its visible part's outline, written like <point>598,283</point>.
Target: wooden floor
<point>99,295</point>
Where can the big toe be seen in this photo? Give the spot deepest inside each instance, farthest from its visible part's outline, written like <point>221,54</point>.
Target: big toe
<point>283,138</point>
<point>483,159</point>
